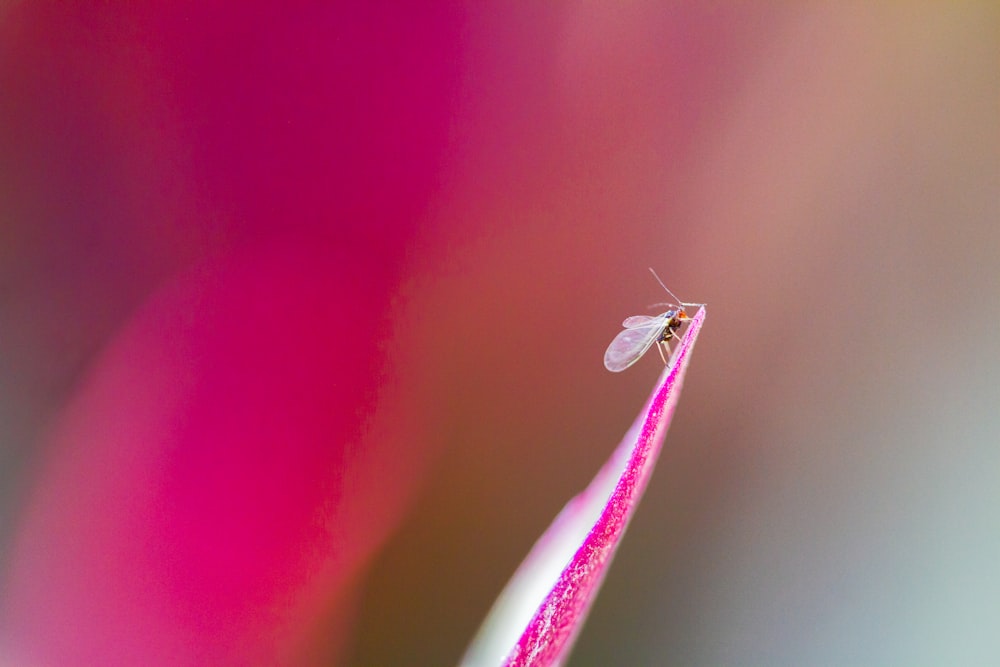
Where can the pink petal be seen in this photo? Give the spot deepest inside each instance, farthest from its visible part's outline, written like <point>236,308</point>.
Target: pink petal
<point>236,455</point>
<point>538,616</point>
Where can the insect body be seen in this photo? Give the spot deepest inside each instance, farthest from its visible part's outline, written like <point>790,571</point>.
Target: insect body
<point>641,332</point>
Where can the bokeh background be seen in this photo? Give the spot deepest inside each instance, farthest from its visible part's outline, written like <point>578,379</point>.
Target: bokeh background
<point>302,313</point>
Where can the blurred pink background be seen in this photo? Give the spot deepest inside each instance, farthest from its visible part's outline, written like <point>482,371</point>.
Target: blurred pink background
<point>302,314</point>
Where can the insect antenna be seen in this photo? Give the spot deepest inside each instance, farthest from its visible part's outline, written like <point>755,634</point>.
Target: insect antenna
<point>679,302</point>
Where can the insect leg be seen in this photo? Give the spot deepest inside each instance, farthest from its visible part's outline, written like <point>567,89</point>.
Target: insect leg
<point>663,344</point>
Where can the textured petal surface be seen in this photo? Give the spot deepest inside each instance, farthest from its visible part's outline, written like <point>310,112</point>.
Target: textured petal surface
<point>539,614</point>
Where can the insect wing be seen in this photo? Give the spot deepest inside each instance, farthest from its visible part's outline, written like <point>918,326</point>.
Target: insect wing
<point>629,345</point>
<point>640,321</point>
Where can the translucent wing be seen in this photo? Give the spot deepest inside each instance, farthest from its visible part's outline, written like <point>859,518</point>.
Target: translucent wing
<point>640,321</point>
<point>631,344</point>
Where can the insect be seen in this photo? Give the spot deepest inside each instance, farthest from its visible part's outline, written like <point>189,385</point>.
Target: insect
<point>641,331</point>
